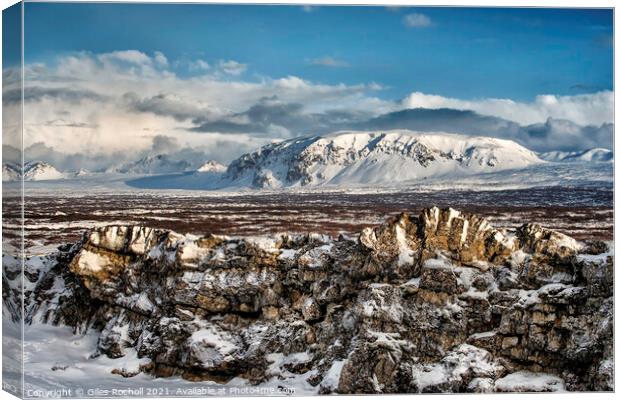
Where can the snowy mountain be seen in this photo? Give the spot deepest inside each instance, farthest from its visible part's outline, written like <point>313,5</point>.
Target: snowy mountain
<point>33,171</point>
<point>10,172</point>
<point>375,158</point>
<point>82,172</point>
<point>591,155</point>
<point>41,171</point>
<point>154,164</point>
<point>212,166</point>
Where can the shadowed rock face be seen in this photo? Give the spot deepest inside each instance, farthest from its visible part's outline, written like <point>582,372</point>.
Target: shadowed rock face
<point>442,302</point>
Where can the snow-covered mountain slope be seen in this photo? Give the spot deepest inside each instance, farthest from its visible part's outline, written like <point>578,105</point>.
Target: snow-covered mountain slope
<point>82,172</point>
<point>591,155</point>
<point>41,171</point>
<point>154,164</point>
<point>212,166</point>
<point>10,172</point>
<point>33,171</point>
<point>375,158</point>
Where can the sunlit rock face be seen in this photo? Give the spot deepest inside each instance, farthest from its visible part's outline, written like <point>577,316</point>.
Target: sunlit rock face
<point>440,302</point>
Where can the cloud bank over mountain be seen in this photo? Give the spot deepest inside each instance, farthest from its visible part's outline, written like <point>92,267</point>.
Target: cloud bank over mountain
<point>552,134</point>
<point>585,109</point>
<point>89,110</point>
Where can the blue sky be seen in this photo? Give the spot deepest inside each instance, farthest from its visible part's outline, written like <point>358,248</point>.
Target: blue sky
<point>106,83</point>
<point>457,52</point>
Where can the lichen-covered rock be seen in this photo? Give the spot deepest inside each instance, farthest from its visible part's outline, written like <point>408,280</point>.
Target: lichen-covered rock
<point>441,302</point>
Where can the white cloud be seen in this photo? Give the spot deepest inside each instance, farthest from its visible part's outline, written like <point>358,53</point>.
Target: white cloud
<point>329,62</point>
<point>160,59</point>
<point>129,56</point>
<point>416,20</point>
<point>97,105</point>
<point>199,65</point>
<point>232,67</point>
<point>111,106</point>
<point>583,109</point>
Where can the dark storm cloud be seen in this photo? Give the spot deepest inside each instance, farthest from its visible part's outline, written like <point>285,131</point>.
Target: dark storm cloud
<point>164,144</point>
<point>166,105</point>
<point>69,124</point>
<point>170,146</point>
<point>223,126</point>
<point>443,120</point>
<point>269,112</point>
<point>554,134</point>
<point>267,117</point>
<point>11,154</point>
<point>565,135</point>
<point>100,162</point>
<point>270,117</point>
<point>224,151</point>
<point>11,76</point>
<point>259,118</point>
<point>72,162</point>
<point>36,93</point>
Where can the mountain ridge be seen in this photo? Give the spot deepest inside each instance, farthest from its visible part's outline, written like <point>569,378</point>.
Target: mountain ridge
<point>597,154</point>
<point>33,171</point>
<point>154,164</point>
<point>366,157</point>
<point>339,159</point>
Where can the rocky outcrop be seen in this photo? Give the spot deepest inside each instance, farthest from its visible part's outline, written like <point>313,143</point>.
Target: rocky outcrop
<point>442,302</point>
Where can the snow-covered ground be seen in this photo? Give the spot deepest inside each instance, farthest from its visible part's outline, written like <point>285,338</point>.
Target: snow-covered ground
<point>347,160</point>
<point>574,174</point>
<point>56,360</point>
<point>61,211</point>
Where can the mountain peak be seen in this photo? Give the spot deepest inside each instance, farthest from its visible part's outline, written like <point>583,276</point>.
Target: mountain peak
<point>155,164</point>
<point>212,166</point>
<point>375,157</point>
<point>33,171</point>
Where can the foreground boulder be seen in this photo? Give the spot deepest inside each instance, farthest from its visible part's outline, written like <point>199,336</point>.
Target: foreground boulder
<point>442,302</point>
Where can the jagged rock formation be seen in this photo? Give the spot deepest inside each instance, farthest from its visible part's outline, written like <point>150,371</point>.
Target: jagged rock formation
<point>442,302</point>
